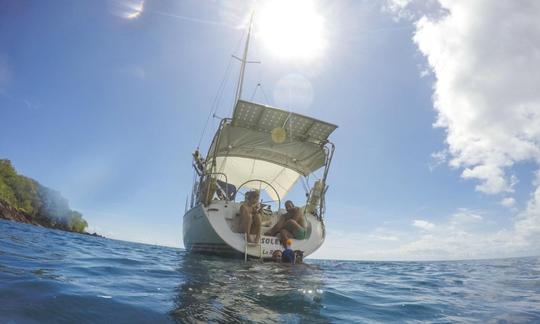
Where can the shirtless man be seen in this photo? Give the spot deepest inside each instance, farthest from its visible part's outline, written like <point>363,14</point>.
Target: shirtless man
<point>290,225</point>
<point>250,220</point>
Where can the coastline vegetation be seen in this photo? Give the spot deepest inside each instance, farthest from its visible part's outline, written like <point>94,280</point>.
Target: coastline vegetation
<point>25,200</point>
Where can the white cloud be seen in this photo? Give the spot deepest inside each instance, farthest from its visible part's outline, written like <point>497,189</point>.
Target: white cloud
<point>425,225</point>
<point>508,202</point>
<point>413,9</point>
<point>437,159</point>
<point>384,234</point>
<point>465,216</point>
<point>485,57</point>
<point>371,245</point>
<point>464,234</point>
<point>385,237</point>
<point>527,226</point>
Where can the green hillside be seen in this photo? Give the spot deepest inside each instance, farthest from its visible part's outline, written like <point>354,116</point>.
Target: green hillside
<point>24,199</point>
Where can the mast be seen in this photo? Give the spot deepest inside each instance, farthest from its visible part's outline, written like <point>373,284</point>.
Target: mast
<point>239,86</point>
<point>244,61</point>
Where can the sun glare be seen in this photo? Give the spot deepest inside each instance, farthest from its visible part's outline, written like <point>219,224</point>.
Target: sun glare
<point>291,28</point>
<point>134,10</point>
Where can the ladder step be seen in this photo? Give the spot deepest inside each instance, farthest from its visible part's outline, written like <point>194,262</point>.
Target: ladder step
<point>254,248</point>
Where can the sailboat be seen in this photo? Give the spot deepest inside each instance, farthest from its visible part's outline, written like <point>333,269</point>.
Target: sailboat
<point>260,148</point>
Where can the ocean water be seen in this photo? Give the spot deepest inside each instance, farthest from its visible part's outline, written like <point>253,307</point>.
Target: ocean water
<point>49,276</point>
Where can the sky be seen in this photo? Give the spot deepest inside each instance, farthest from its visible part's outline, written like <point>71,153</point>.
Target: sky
<point>437,103</point>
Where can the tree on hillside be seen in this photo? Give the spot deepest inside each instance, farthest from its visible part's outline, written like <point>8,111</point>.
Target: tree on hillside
<point>39,202</point>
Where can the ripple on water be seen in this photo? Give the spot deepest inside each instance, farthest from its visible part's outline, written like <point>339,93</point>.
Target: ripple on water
<point>53,276</point>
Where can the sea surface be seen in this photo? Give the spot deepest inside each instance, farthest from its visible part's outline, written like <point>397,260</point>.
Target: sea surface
<point>50,276</point>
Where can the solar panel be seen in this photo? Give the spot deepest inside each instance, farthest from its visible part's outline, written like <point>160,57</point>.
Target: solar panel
<point>265,119</point>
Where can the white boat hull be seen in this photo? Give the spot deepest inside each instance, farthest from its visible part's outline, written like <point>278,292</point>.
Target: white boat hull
<point>209,230</point>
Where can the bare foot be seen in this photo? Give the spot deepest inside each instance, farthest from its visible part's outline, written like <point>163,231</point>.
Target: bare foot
<point>250,240</point>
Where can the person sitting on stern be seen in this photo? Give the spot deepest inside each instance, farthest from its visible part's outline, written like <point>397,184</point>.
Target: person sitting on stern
<point>250,220</point>
<point>290,225</point>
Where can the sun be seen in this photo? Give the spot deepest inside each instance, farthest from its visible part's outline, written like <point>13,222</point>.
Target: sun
<point>291,28</point>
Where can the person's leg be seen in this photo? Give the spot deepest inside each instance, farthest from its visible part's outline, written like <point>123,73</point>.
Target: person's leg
<point>292,226</point>
<point>276,228</point>
<point>285,235</point>
<point>256,227</point>
<point>296,229</point>
<point>245,224</point>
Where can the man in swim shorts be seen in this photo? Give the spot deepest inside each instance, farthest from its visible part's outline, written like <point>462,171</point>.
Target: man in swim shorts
<point>290,225</point>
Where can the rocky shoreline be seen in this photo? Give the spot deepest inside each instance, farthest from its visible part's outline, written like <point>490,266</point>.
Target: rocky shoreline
<point>25,200</point>
<point>11,214</point>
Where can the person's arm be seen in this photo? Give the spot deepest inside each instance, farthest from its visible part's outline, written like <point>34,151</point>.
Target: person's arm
<point>299,218</point>
<point>277,227</point>
<point>243,210</point>
<point>257,208</point>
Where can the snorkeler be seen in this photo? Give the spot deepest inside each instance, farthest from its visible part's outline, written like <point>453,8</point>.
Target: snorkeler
<point>276,256</point>
<point>287,255</point>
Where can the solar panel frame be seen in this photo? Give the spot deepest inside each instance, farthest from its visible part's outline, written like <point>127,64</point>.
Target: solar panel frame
<point>265,118</point>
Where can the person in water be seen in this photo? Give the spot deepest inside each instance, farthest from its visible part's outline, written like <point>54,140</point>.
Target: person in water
<point>287,256</point>
<point>250,220</point>
<point>298,256</point>
<point>290,225</point>
<point>276,256</point>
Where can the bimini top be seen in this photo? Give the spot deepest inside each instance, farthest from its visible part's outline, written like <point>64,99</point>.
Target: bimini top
<point>247,149</point>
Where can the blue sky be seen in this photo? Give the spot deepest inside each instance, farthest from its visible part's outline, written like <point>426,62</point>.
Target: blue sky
<point>438,139</point>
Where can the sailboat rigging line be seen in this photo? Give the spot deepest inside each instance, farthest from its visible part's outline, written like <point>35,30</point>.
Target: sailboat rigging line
<point>215,102</point>
<point>305,184</point>
<point>265,97</point>
<point>286,119</point>
<point>259,86</point>
<point>219,93</point>
<point>277,176</point>
<point>255,91</point>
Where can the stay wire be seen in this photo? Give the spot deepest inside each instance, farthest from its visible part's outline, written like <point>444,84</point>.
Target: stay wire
<point>255,91</point>
<point>213,106</point>
<point>259,86</point>
<point>219,93</point>
<point>305,184</point>
<point>265,97</point>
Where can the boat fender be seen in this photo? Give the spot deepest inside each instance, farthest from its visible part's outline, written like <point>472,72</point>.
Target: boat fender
<point>314,197</point>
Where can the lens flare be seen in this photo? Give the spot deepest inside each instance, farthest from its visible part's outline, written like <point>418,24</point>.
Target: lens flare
<point>134,10</point>
<point>127,9</point>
